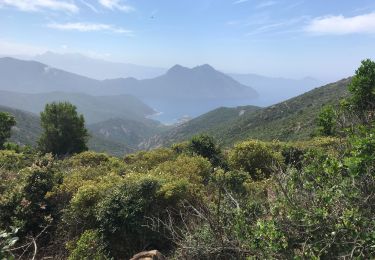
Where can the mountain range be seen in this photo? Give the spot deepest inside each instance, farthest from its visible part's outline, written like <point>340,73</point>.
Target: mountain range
<point>179,92</point>
<point>271,90</point>
<point>120,113</point>
<point>97,68</point>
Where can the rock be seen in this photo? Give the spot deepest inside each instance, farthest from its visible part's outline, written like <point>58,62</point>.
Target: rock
<point>149,255</point>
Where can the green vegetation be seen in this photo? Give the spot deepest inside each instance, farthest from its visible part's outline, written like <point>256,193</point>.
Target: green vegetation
<point>115,136</point>
<point>363,90</point>
<point>306,199</point>
<point>7,121</point>
<point>327,121</point>
<point>64,130</point>
<point>27,129</point>
<point>294,119</point>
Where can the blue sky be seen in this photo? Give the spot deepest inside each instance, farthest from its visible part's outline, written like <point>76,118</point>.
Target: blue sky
<point>325,39</point>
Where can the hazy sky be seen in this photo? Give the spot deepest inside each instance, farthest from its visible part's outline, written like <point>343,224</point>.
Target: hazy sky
<point>319,38</point>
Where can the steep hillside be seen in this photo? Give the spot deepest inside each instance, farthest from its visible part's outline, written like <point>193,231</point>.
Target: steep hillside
<point>94,108</point>
<point>207,123</point>
<point>288,120</point>
<point>130,133</point>
<point>27,129</point>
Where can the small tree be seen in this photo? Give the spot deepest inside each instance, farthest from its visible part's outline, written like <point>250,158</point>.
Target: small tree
<point>64,130</point>
<point>7,121</point>
<point>327,121</point>
<point>362,89</point>
<point>205,146</point>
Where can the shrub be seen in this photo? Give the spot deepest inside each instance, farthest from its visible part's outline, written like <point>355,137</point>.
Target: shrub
<point>328,206</point>
<point>89,246</point>
<point>205,146</point>
<point>144,161</point>
<point>91,159</point>
<point>11,160</point>
<point>24,203</point>
<point>254,157</point>
<point>196,169</point>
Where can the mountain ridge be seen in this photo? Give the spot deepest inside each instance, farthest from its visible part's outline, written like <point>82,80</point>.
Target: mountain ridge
<point>179,92</point>
<point>94,108</point>
<point>292,119</point>
<point>95,68</point>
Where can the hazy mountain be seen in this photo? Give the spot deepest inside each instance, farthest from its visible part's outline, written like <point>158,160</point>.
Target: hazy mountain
<point>96,68</point>
<point>94,108</point>
<point>289,120</point>
<point>34,77</point>
<point>274,90</point>
<point>184,91</point>
<point>179,92</point>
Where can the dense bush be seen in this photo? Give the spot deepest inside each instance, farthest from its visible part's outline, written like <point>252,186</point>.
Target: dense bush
<point>254,157</point>
<point>146,160</point>
<point>89,246</point>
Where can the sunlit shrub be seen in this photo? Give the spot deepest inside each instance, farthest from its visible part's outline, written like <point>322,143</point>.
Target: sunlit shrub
<point>195,168</point>
<point>254,157</point>
<point>146,160</point>
<point>24,203</point>
<point>11,160</point>
<point>89,159</point>
<point>89,246</point>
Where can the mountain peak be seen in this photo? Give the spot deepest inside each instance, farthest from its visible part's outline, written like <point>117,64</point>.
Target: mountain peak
<point>205,67</point>
<point>177,68</point>
<point>201,68</point>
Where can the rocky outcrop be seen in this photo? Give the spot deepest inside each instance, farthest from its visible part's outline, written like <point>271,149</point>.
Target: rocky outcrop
<point>149,255</point>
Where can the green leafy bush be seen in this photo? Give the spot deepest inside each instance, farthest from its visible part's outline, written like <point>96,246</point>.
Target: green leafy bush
<point>89,246</point>
<point>146,160</point>
<point>254,157</point>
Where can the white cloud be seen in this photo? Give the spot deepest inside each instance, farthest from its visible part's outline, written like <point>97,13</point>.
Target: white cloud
<point>240,1</point>
<point>278,27</point>
<point>37,5</point>
<point>265,4</point>
<point>93,8</point>
<point>89,27</point>
<point>340,25</point>
<point>116,4</point>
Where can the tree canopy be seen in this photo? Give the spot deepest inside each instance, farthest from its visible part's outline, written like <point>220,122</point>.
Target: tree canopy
<point>362,89</point>
<point>64,130</point>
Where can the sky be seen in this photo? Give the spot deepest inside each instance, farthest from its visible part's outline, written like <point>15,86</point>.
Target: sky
<point>325,39</point>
